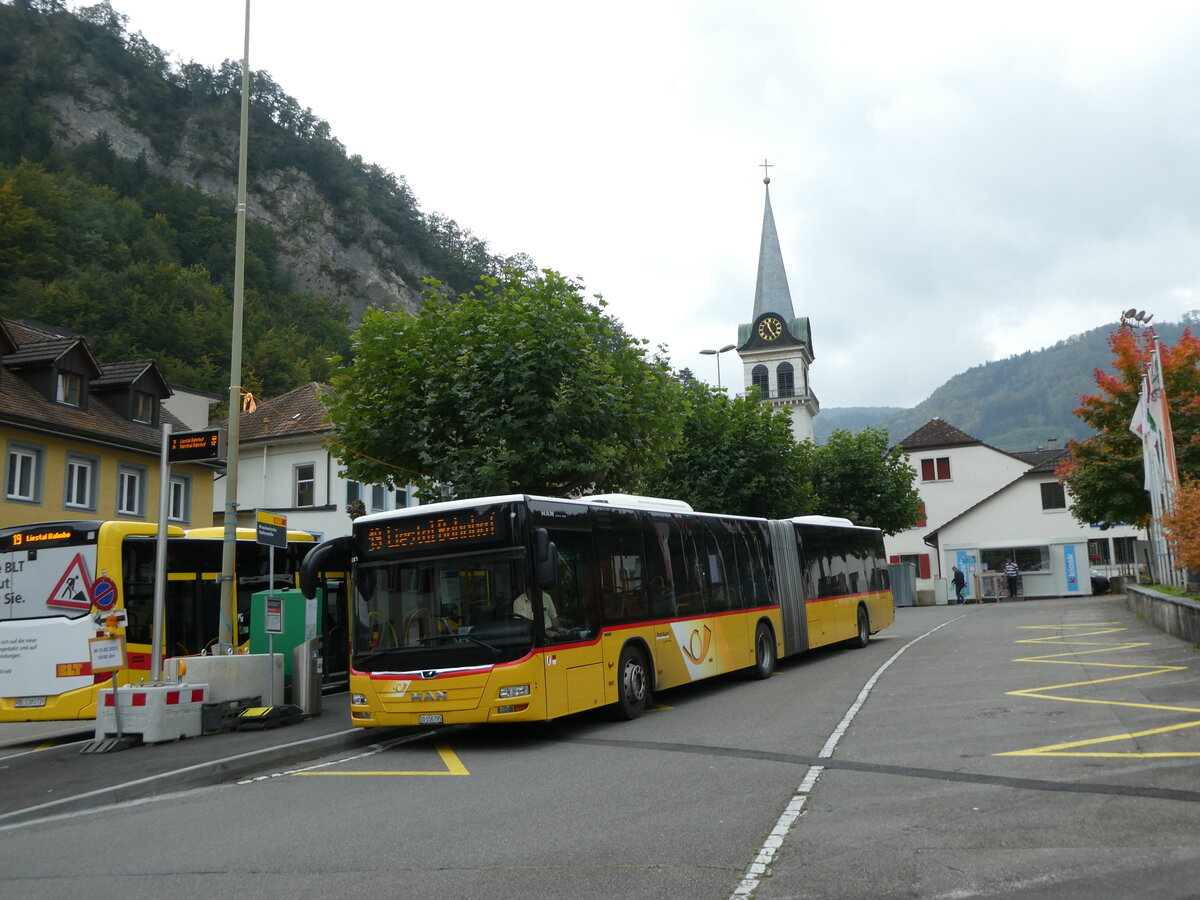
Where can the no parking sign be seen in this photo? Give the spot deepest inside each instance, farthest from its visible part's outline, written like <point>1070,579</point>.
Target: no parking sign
<point>104,593</point>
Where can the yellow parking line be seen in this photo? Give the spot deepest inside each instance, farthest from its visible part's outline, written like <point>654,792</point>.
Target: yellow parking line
<point>1071,657</point>
<point>453,765</point>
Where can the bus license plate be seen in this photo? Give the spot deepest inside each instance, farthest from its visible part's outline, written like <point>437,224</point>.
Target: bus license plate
<point>430,719</point>
<point>27,702</point>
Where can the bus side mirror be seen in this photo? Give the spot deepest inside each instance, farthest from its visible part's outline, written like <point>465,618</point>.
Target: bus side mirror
<point>545,559</point>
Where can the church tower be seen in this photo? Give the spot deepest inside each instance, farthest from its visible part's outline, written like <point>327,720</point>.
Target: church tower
<point>776,345</point>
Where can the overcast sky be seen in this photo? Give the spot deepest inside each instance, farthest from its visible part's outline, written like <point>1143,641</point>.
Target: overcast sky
<point>952,182</point>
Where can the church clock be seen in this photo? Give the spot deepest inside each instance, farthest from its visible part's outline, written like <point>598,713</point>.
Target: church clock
<point>770,328</point>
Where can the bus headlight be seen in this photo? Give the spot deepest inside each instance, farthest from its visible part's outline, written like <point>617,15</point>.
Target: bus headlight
<point>358,699</point>
<point>517,690</point>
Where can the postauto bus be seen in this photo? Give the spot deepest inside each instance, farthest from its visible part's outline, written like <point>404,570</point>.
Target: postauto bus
<point>522,608</point>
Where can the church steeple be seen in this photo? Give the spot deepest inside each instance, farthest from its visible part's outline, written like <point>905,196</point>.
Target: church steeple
<point>776,344</point>
<point>771,292</point>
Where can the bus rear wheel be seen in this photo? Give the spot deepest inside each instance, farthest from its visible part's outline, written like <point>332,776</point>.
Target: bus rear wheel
<point>864,629</point>
<point>764,652</point>
<point>634,684</point>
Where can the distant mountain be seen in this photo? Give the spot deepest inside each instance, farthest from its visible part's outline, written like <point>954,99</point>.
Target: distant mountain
<point>851,418</point>
<point>1018,403</point>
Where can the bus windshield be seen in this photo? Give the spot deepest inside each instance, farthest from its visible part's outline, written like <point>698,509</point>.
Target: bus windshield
<point>440,613</point>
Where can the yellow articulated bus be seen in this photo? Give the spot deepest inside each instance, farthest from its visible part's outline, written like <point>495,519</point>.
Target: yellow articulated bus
<point>59,580</point>
<point>521,608</point>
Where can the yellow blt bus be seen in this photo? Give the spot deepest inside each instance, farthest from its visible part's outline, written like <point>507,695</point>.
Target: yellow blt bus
<point>60,580</point>
<point>522,608</point>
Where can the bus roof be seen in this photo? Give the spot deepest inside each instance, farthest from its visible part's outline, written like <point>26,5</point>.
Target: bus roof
<point>830,522</point>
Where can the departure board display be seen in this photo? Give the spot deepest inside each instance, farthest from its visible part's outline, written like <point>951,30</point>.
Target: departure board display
<point>447,530</point>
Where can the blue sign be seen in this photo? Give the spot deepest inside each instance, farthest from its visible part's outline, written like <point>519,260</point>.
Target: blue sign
<point>104,593</point>
<point>1072,568</point>
<point>967,564</point>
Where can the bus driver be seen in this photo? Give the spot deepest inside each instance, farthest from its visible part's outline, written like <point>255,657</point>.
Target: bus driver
<point>523,607</point>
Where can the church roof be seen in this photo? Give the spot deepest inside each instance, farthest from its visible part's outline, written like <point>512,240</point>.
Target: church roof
<point>771,292</point>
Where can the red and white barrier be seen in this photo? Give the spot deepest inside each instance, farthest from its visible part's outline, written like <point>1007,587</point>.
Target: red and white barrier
<point>163,712</point>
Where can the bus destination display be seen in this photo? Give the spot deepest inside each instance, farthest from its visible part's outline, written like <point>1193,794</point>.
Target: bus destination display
<point>190,446</point>
<point>466,527</point>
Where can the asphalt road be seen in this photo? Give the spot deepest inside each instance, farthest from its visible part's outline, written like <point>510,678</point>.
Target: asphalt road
<point>1039,749</point>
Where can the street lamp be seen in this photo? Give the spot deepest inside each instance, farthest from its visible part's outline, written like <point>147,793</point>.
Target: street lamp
<point>717,354</point>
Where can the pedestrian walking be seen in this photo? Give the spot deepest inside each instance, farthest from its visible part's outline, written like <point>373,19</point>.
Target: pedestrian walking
<point>960,583</point>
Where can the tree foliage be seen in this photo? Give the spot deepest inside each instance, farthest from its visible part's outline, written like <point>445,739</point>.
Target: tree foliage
<point>150,275</point>
<point>519,386</point>
<point>1182,525</point>
<point>857,476</point>
<point>1104,473</point>
<point>735,456</point>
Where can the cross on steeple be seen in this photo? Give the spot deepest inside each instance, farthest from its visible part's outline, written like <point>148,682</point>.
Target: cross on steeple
<point>764,165</point>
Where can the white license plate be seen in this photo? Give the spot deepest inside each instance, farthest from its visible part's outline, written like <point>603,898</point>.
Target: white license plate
<point>430,719</point>
<point>27,702</point>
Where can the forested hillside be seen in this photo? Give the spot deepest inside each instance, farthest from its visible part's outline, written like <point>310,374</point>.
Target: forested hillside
<point>117,188</point>
<point>1021,402</point>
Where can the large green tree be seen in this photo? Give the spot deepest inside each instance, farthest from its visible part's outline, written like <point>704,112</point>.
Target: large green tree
<point>735,456</point>
<point>521,385</point>
<point>857,476</point>
<point>1104,473</point>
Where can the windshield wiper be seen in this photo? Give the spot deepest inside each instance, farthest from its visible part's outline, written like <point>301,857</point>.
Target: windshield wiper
<point>455,636</point>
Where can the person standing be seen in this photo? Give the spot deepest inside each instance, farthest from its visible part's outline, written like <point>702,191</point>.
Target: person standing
<point>1010,572</point>
<point>960,584</point>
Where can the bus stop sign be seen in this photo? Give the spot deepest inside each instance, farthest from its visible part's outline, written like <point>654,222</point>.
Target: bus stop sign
<point>272,530</point>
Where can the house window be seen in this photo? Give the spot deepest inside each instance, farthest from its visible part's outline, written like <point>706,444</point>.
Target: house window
<point>143,407</point>
<point>70,388</point>
<point>353,492</point>
<point>378,498</point>
<point>761,379</point>
<point>919,560</point>
<point>1125,550</point>
<point>1098,552</point>
<point>935,469</point>
<point>401,499</point>
<point>1054,495</point>
<point>24,478</point>
<point>786,377</point>
<point>80,490</point>
<point>306,485</point>
<point>131,490</point>
<point>922,518</point>
<point>179,499</point>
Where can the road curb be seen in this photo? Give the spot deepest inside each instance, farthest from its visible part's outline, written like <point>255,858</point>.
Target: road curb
<point>197,775</point>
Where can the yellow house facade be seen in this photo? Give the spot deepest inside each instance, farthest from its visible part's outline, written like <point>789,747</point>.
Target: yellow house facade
<point>82,440</point>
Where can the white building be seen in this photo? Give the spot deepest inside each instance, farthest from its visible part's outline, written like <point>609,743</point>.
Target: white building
<point>776,345</point>
<point>982,505</point>
<point>284,466</point>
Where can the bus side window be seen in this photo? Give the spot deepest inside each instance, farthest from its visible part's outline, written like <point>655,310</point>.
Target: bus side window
<point>619,564</point>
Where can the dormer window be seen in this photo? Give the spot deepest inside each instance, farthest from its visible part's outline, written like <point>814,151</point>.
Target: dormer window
<point>143,407</point>
<point>70,388</point>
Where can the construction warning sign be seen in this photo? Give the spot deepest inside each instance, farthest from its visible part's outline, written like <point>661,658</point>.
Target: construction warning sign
<point>74,588</point>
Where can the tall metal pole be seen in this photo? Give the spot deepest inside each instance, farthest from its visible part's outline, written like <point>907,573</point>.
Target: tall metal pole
<point>157,620</point>
<point>227,634</point>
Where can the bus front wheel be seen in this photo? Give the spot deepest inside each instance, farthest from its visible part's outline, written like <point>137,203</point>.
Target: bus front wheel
<point>634,684</point>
